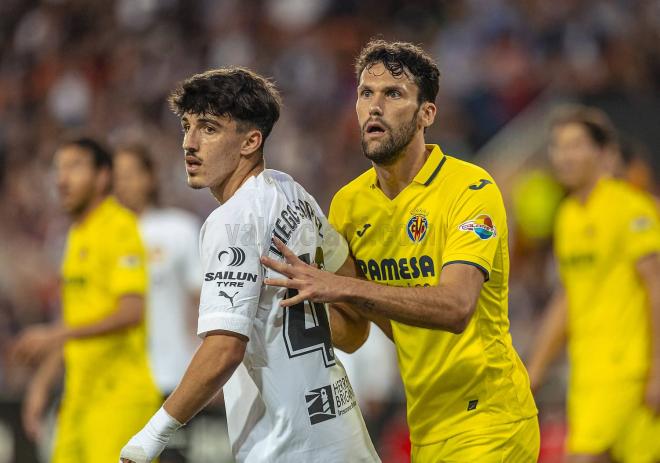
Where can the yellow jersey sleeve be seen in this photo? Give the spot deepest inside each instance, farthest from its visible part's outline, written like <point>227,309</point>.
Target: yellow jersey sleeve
<point>128,272</point>
<point>473,228</point>
<point>642,229</point>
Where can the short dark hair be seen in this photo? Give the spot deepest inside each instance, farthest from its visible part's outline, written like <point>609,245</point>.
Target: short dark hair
<point>595,121</point>
<point>402,58</point>
<point>101,156</point>
<point>236,92</point>
<point>142,154</point>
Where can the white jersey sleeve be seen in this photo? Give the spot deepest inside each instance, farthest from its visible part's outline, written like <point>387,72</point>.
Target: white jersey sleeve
<point>335,247</point>
<point>232,273</point>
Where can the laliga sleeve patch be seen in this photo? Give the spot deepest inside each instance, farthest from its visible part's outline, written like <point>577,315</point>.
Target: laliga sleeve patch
<point>482,226</point>
<point>130,261</point>
<point>641,224</point>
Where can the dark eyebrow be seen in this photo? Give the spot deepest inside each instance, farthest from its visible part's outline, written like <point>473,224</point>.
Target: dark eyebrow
<point>394,87</point>
<point>209,121</point>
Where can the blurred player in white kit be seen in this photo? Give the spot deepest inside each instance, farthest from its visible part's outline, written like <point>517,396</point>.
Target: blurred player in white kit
<point>171,239</point>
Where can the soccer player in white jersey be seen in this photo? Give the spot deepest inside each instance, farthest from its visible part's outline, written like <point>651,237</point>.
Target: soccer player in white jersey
<point>288,399</point>
<point>170,236</point>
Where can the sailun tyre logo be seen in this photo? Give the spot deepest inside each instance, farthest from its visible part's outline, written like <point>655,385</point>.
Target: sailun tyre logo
<point>482,226</point>
<point>417,227</point>
<point>237,256</point>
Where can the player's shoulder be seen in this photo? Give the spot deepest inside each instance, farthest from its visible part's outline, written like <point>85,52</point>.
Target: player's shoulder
<point>356,186</point>
<point>115,216</point>
<point>461,176</point>
<point>624,193</point>
<point>246,205</point>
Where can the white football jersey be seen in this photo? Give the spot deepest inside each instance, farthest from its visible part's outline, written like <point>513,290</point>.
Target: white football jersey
<point>171,239</point>
<point>290,400</point>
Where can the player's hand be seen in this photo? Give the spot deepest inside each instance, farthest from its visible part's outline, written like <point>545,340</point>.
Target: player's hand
<point>147,444</point>
<point>652,395</point>
<point>312,283</point>
<point>37,341</point>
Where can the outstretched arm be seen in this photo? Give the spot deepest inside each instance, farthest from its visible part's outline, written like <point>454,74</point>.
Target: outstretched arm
<point>447,306</point>
<point>36,399</point>
<point>551,338</point>
<point>648,268</point>
<point>212,365</point>
<point>37,341</point>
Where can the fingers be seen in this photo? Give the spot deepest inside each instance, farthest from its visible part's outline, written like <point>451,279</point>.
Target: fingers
<point>281,282</point>
<point>286,252</point>
<point>279,267</point>
<point>295,300</point>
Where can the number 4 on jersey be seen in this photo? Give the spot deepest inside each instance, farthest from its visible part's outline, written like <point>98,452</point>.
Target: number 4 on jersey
<point>301,339</point>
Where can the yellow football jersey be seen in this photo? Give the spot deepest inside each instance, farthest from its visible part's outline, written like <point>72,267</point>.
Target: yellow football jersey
<point>452,212</point>
<point>105,259</point>
<point>597,245</point>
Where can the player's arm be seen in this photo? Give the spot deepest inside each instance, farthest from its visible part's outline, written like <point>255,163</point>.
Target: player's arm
<point>216,359</point>
<point>551,338</point>
<point>38,393</point>
<point>648,268</point>
<point>447,306</point>
<point>349,329</point>
<point>37,341</point>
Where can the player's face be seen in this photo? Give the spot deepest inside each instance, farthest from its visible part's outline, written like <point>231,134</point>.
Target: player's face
<point>132,183</point>
<point>77,178</point>
<point>575,157</point>
<point>387,111</point>
<point>211,145</point>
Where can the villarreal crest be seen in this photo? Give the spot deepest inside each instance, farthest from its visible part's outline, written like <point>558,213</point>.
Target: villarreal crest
<point>418,226</point>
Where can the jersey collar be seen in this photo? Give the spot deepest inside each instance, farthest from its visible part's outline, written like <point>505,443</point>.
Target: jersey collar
<point>431,167</point>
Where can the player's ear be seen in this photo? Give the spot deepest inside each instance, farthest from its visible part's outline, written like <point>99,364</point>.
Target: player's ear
<point>251,142</point>
<point>427,112</point>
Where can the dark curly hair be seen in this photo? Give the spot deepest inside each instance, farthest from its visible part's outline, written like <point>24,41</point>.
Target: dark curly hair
<point>241,94</point>
<point>402,58</point>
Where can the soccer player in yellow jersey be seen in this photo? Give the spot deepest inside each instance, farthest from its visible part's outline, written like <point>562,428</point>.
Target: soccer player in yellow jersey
<point>607,243</point>
<point>429,232</point>
<point>108,388</point>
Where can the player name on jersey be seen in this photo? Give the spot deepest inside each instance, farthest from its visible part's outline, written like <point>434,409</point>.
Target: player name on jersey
<point>290,219</point>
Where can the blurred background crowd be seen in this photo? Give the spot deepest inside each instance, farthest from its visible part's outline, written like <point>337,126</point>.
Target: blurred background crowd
<point>105,68</point>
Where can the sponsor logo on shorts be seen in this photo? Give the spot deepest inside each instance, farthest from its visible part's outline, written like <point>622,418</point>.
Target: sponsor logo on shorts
<point>237,256</point>
<point>482,226</point>
<point>331,401</point>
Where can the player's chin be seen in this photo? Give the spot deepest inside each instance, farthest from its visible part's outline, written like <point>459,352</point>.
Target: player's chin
<point>195,182</point>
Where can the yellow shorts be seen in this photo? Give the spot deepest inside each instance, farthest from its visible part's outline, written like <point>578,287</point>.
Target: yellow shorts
<point>88,432</point>
<point>516,442</point>
<point>613,419</point>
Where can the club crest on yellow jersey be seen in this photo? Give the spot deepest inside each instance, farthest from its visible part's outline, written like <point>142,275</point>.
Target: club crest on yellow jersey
<point>418,225</point>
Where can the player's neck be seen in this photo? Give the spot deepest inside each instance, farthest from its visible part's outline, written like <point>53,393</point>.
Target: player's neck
<point>80,216</point>
<point>242,174</point>
<point>393,178</point>
<point>583,192</point>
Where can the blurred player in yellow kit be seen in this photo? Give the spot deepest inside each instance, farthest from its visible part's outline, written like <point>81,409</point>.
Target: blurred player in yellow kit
<point>429,231</point>
<point>607,245</point>
<point>108,388</point>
